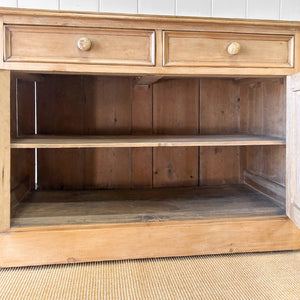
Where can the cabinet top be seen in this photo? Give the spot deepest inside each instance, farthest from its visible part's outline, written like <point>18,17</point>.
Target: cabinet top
<point>101,43</point>
<point>36,13</point>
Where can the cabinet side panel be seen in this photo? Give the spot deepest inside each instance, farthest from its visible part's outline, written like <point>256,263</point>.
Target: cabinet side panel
<point>293,148</point>
<point>5,150</point>
<point>263,112</point>
<point>22,122</point>
<point>175,111</point>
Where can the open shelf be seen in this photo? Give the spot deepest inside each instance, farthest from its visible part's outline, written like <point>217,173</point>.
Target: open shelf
<point>125,141</point>
<point>46,208</point>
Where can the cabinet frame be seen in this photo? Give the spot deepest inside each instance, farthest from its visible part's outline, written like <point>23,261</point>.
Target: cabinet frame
<point>79,243</point>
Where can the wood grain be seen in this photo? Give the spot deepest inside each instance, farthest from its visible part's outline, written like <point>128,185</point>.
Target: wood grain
<point>263,111</point>
<point>219,106</point>
<point>22,121</point>
<point>150,48</point>
<point>123,141</point>
<point>210,49</point>
<point>59,44</point>
<point>31,247</point>
<point>175,111</point>
<point>114,23</point>
<point>219,165</point>
<point>141,122</point>
<point>270,188</point>
<point>219,114</point>
<point>293,148</point>
<point>84,105</point>
<point>49,208</point>
<point>5,151</point>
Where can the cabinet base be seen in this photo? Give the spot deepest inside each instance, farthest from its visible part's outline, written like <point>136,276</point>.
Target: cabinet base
<point>70,244</point>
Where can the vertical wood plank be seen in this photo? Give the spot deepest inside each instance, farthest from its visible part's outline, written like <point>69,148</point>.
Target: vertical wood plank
<point>274,108</point>
<point>219,165</point>
<point>141,124</point>
<point>61,169</point>
<point>141,166</point>
<point>61,104</point>
<point>85,105</point>
<point>243,162</point>
<point>60,110</point>
<point>255,109</point>
<point>5,150</point>
<point>175,166</point>
<point>219,106</point>
<point>25,107</point>
<point>108,102</point>
<point>175,111</point>
<point>108,168</point>
<point>219,114</point>
<point>244,108</point>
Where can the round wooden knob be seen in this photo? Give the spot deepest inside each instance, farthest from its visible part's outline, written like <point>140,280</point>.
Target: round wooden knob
<point>234,48</point>
<point>84,44</point>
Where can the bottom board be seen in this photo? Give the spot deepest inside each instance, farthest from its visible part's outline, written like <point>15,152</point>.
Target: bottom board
<point>65,244</point>
<point>48,208</point>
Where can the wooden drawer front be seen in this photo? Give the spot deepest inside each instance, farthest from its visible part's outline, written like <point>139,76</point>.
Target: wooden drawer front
<point>58,44</point>
<point>211,49</point>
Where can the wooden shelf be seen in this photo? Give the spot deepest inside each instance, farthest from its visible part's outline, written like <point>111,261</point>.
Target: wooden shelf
<point>125,141</point>
<point>47,208</point>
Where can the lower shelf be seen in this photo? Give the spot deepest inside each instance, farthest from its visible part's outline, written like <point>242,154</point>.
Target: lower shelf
<point>47,208</point>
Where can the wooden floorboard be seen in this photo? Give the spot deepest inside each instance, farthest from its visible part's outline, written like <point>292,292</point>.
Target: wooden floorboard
<point>46,208</point>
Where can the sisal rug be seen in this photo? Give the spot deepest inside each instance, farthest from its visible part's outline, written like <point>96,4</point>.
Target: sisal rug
<point>236,276</point>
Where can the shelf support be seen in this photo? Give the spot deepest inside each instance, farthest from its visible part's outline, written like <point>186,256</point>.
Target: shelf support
<point>147,80</point>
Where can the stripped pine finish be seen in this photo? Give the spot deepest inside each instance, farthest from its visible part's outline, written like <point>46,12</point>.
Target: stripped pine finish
<point>135,136</point>
<point>142,141</point>
<point>5,151</point>
<point>44,208</point>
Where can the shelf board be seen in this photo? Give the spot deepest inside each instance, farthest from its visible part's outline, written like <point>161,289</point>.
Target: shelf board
<point>125,141</point>
<point>48,208</point>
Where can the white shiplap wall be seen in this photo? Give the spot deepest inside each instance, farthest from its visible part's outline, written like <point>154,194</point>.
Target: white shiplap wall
<point>252,9</point>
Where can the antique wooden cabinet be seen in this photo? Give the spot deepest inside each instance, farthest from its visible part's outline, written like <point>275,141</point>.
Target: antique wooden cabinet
<point>128,136</point>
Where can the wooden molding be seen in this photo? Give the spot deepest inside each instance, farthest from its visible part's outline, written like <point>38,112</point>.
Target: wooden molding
<point>266,186</point>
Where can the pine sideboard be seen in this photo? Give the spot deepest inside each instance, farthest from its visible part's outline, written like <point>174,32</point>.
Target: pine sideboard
<point>129,136</point>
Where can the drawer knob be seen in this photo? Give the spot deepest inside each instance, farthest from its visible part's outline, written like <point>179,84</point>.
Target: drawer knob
<point>234,48</point>
<point>84,44</point>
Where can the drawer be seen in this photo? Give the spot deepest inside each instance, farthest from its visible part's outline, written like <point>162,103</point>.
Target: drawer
<point>62,45</point>
<point>216,49</point>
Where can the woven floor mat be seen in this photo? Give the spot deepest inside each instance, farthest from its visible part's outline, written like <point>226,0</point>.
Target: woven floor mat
<point>236,276</point>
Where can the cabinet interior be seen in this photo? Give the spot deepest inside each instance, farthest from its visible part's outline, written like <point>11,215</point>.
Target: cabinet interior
<point>237,169</point>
